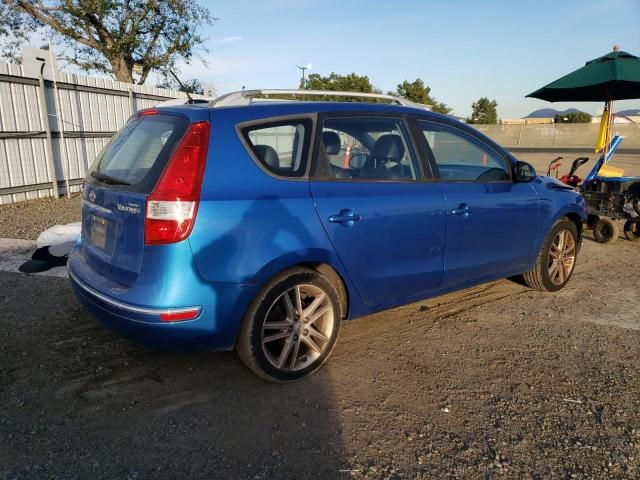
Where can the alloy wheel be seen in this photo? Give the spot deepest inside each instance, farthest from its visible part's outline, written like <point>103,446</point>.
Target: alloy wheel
<point>562,257</point>
<point>298,328</point>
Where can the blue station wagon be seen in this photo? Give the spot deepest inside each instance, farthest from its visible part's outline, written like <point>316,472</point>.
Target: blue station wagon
<point>260,226</point>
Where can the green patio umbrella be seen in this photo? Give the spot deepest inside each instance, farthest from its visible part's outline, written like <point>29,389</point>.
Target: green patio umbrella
<point>614,76</point>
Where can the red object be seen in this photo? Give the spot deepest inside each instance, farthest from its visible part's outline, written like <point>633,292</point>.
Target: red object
<point>148,111</point>
<point>173,203</point>
<point>572,180</point>
<point>180,316</point>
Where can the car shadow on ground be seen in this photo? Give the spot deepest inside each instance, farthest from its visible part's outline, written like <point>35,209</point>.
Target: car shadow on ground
<point>109,408</point>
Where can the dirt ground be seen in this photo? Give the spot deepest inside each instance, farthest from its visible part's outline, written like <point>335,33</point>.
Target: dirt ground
<point>496,381</point>
<point>629,162</point>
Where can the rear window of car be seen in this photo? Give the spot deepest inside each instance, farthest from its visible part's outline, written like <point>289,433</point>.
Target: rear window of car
<point>135,157</point>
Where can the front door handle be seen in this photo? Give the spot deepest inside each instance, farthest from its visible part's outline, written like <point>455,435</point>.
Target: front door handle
<point>463,210</point>
<point>346,218</point>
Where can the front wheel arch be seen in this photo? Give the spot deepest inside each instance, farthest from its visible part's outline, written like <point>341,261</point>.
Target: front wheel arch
<point>577,220</point>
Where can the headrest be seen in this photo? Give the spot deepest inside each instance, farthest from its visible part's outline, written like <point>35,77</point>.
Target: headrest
<point>390,147</point>
<point>268,155</point>
<point>331,142</point>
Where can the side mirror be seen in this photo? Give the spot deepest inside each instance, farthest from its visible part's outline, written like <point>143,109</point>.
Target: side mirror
<point>524,172</point>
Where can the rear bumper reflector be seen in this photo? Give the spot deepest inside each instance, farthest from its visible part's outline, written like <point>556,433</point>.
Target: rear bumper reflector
<point>179,315</point>
<point>165,314</point>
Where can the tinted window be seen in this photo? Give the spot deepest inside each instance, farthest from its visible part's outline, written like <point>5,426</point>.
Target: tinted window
<point>137,154</point>
<point>460,157</point>
<point>365,148</point>
<point>280,147</point>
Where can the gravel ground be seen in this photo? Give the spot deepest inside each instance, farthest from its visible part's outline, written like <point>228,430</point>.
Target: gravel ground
<point>28,219</point>
<point>496,381</point>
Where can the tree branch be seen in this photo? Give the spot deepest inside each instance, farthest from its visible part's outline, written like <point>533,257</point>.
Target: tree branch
<point>53,23</point>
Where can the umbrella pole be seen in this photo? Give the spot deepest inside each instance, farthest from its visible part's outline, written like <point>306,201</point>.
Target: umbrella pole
<point>607,137</point>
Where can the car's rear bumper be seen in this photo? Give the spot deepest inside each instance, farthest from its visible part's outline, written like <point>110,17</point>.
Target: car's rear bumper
<point>221,307</point>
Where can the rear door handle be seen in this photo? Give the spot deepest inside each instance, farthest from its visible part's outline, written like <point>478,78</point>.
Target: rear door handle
<point>346,218</point>
<point>462,210</point>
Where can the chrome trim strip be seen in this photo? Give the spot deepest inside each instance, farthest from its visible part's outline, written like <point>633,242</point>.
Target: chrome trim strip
<point>94,206</point>
<point>125,306</point>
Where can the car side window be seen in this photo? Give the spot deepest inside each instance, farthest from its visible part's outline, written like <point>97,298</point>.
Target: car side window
<point>365,148</point>
<point>280,147</point>
<point>459,158</point>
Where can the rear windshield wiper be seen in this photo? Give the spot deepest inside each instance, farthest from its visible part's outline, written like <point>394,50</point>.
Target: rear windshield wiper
<point>108,179</point>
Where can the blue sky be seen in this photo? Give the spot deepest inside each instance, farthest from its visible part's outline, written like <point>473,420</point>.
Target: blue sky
<point>462,49</point>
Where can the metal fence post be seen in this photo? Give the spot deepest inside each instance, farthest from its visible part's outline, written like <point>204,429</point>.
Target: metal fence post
<point>132,101</point>
<point>520,134</point>
<point>48,147</point>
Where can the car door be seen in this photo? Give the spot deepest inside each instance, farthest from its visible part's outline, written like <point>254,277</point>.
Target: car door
<point>385,217</point>
<point>492,221</point>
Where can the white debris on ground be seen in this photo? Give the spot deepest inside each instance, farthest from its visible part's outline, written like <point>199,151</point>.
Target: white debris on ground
<point>59,238</point>
<point>59,234</point>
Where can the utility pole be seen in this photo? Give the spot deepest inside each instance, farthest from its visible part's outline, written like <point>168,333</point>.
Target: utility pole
<point>304,68</point>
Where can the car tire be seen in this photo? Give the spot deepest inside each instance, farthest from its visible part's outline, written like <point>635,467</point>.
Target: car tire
<point>557,258</point>
<point>606,230</point>
<point>632,230</point>
<point>279,338</point>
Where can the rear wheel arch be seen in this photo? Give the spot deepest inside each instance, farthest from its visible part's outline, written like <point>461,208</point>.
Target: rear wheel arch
<point>320,263</point>
<point>336,280</point>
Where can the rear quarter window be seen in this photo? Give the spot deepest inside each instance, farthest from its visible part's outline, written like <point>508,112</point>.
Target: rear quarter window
<point>137,154</point>
<point>282,147</point>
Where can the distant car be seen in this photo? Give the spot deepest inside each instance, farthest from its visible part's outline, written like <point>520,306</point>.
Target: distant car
<point>260,226</point>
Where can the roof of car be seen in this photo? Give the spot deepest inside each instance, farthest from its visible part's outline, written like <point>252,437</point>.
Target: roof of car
<point>282,108</point>
<point>297,101</point>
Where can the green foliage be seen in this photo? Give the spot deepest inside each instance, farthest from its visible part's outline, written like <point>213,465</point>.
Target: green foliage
<point>415,91</point>
<point>418,92</point>
<point>189,86</point>
<point>111,36</point>
<point>573,117</point>
<point>14,32</point>
<point>484,112</point>
<point>346,83</point>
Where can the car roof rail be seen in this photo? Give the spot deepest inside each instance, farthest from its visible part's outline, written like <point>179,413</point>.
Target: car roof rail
<point>245,97</point>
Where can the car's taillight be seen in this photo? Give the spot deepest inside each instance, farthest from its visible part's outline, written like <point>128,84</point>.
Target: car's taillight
<point>173,203</point>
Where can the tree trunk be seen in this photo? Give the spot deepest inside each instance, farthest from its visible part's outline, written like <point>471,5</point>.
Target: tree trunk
<point>121,70</point>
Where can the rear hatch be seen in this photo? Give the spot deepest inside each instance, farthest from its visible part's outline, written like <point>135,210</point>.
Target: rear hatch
<point>116,190</point>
